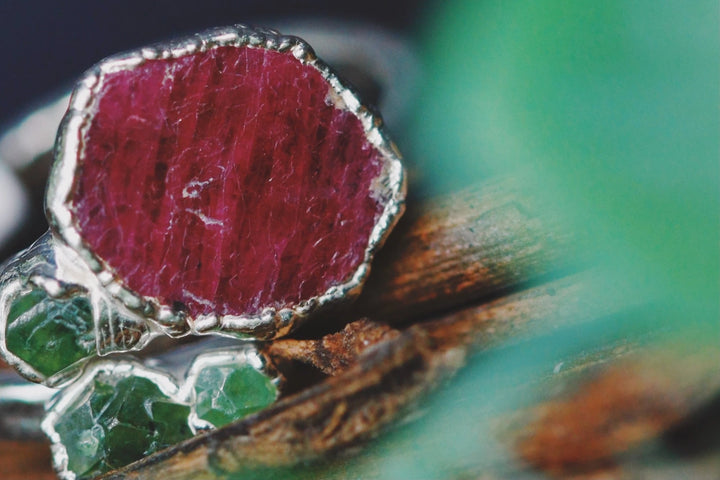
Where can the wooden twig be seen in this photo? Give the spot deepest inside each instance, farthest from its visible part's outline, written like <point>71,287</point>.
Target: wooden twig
<point>387,380</point>
<point>323,419</point>
<point>590,424</point>
<point>455,279</point>
<point>465,247</point>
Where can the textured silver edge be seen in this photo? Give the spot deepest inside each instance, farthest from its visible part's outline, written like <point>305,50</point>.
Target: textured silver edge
<point>61,403</point>
<point>18,275</point>
<point>182,392</point>
<point>8,292</point>
<point>271,322</point>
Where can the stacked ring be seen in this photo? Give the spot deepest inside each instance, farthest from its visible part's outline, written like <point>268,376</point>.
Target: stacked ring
<point>118,411</point>
<point>227,183</point>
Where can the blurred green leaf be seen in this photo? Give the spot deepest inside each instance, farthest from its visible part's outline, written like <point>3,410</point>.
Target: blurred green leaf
<point>613,107</point>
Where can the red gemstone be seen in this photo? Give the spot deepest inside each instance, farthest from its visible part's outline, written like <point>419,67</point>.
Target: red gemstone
<point>226,181</point>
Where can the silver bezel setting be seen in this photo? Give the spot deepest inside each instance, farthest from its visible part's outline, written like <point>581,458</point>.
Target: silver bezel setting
<point>9,292</point>
<point>60,404</point>
<point>270,322</point>
<point>56,270</point>
<point>179,390</point>
<point>243,355</point>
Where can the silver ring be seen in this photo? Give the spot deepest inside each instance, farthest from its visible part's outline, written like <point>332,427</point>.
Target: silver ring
<point>126,254</point>
<point>63,272</point>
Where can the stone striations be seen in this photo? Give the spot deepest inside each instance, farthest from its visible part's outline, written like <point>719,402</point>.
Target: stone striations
<point>226,181</point>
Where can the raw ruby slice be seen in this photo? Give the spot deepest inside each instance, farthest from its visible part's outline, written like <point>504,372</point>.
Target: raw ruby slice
<point>226,181</point>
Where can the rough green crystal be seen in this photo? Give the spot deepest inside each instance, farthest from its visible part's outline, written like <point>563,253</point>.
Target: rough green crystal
<point>119,421</point>
<point>171,423</point>
<point>50,334</point>
<point>225,393</point>
<point>79,431</point>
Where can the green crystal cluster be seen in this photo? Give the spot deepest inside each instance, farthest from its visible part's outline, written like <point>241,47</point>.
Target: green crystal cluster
<point>50,334</point>
<point>225,393</point>
<point>119,421</point>
<point>120,414</point>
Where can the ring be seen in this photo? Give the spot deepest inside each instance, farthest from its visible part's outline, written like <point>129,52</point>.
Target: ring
<point>119,411</point>
<point>227,183</point>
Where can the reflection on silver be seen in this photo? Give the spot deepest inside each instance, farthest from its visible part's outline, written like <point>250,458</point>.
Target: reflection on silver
<point>14,201</point>
<point>57,270</point>
<point>34,135</point>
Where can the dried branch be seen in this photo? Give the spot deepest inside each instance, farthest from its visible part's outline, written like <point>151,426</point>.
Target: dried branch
<point>637,396</point>
<point>453,280</point>
<point>465,247</point>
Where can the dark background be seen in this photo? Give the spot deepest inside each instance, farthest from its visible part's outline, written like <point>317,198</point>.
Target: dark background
<point>47,44</point>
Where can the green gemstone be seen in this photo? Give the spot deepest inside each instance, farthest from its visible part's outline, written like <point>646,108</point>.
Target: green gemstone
<point>80,433</point>
<point>171,422</point>
<point>133,407</point>
<point>127,419</point>
<point>225,393</point>
<point>50,334</point>
<point>125,444</point>
<point>102,396</point>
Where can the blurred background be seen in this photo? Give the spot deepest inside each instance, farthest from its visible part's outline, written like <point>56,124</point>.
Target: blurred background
<point>609,110</point>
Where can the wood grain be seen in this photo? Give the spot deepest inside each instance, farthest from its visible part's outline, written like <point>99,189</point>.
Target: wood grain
<point>465,247</point>
<point>603,405</point>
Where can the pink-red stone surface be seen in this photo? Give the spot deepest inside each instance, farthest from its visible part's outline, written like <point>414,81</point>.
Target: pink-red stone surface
<point>225,181</point>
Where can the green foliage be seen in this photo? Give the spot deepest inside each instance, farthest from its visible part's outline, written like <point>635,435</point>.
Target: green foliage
<point>611,107</point>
